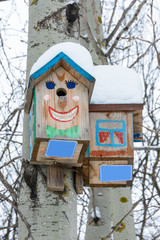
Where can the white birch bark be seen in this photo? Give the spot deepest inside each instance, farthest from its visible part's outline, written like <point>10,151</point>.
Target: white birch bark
<point>52,215</point>
<point>100,198</point>
<point>107,200</point>
<point>121,203</point>
<point>114,204</point>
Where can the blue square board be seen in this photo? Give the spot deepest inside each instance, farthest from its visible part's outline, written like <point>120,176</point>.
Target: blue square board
<point>111,173</point>
<point>60,148</point>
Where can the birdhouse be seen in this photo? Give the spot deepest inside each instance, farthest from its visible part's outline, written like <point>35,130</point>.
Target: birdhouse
<point>59,90</point>
<point>115,122</point>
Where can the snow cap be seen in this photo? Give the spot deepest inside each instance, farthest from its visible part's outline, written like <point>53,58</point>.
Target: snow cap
<point>76,52</point>
<point>116,85</point>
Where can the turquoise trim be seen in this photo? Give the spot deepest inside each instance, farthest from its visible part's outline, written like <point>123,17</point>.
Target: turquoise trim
<point>35,102</point>
<point>55,60</point>
<point>111,132</point>
<point>30,134</point>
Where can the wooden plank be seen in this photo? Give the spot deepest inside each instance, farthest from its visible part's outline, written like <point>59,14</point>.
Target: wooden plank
<point>33,83</point>
<point>94,174</point>
<point>137,126</point>
<point>55,178</point>
<point>85,169</point>
<point>111,134</point>
<point>51,162</point>
<point>35,150</point>
<point>91,173</point>
<point>90,159</point>
<point>83,152</point>
<point>38,153</point>
<point>114,107</point>
<point>79,181</point>
<point>129,121</point>
<point>42,150</point>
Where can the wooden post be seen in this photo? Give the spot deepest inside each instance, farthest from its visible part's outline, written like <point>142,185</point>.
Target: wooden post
<point>55,178</point>
<point>79,181</point>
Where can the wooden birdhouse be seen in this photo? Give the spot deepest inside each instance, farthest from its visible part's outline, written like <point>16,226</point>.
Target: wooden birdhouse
<point>58,98</point>
<point>58,95</point>
<point>115,121</point>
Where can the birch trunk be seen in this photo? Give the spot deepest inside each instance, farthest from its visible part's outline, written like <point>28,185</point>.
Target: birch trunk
<point>113,204</point>
<point>109,201</point>
<point>52,215</point>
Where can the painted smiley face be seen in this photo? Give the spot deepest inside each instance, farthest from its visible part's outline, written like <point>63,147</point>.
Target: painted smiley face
<point>62,106</point>
<point>61,88</point>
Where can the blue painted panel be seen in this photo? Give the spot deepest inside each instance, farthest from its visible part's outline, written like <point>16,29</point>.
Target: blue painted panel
<point>60,148</point>
<point>111,173</point>
<point>55,60</point>
<point>111,133</point>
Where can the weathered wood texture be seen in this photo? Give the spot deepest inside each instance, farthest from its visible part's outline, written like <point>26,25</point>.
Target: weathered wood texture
<point>136,109</point>
<point>111,134</point>
<point>114,107</point>
<point>78,118</point>
<point>55,178</point>
<point>59,113</point>
<point>91,172</point>
<point>38,154</point>
<point>79,181</point>
<point>137,125</point>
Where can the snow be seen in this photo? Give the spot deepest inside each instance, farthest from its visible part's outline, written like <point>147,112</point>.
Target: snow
<point>114,84</point>
<point>97,212</point>
<point>76,52</point>
<point>70,2</point>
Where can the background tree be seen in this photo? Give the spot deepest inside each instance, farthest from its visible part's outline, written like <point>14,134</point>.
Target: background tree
<point>131,38</point>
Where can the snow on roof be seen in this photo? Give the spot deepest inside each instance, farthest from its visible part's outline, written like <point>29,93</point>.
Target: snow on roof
<point>116,85</point>
<point>76,52</point>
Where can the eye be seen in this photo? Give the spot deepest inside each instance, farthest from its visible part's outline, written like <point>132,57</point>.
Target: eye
<point>50,85</point>
<point>71,84</point>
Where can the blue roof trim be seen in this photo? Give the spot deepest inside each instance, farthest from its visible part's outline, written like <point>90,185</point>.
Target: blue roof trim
<point>55,60</point>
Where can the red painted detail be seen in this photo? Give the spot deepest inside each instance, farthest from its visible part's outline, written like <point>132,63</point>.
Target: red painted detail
<point>119,136</point>
<point>63,113</point>
<point>103,136</point>
<point>108,153</point>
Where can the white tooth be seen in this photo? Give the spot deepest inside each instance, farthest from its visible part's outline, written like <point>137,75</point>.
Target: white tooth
<point>64,117</point>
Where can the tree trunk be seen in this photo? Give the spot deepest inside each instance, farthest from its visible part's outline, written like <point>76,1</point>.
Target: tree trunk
<point>99,218</point>
<point>52,215</point>
<point>114,204</point>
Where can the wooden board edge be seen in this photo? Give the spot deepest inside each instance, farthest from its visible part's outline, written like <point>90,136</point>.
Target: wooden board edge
<point>50,162</point>
<point>114,107</point>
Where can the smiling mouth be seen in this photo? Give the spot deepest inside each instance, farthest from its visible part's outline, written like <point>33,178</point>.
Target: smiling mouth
<point>63,116</point>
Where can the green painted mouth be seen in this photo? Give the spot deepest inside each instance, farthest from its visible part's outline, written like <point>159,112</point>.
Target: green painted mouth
<point>72,132</point>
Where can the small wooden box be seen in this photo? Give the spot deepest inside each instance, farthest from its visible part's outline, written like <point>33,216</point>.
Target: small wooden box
<point>111,135</point>
<point>113,129</point>
<point>58,101</point>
